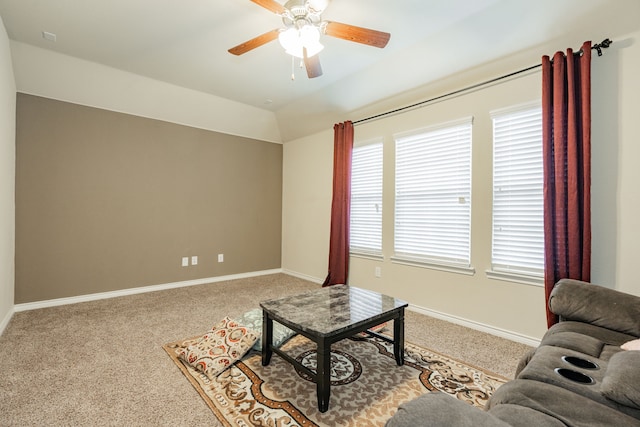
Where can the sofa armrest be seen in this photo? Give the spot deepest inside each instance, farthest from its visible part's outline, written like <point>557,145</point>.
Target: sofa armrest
<point>585,302</point>
<point>437,409</point>
<point>621,379</point>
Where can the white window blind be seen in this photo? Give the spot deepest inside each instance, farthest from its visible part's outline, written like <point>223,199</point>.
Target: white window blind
<point>433,195</point>
<point>366,199</point>
<point>518,217</point>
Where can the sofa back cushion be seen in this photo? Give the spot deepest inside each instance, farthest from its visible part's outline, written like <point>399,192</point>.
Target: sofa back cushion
<point>600,306</point>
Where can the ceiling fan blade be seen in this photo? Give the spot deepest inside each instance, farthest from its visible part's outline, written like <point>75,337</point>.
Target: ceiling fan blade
<point>255,42</point>
<point>271,5</point>
<point>357,34</point>
<point>312,64</point>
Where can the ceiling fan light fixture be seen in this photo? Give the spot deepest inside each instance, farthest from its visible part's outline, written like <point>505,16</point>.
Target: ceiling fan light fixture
<point>295,40</point>
<point>312,50</point>
<point>303,26</point>
<point>288,39</point>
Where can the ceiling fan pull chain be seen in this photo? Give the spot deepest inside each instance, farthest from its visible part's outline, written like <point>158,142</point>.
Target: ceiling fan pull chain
<point>293,68</point>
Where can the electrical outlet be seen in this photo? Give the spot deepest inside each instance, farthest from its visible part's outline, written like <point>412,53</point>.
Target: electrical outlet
<point>194,260</point>
<point>220,257</point>
<point>378,272</point>
<point>185,261</point>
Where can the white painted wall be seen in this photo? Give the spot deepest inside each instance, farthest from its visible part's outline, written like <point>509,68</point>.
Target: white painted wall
<point>307,178</point>
<point>53,75</point>
<point>502,307</point>
<point>616,168</point>
<point>7,179</point>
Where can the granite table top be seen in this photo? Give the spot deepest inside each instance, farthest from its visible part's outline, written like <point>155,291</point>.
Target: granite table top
<point>331,310</point>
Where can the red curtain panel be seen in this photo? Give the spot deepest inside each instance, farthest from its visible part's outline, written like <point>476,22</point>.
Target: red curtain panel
<point>566,127</point>
<point>340,205</point>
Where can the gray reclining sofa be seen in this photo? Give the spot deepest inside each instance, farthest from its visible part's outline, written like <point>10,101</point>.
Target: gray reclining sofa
<point>577,376</point>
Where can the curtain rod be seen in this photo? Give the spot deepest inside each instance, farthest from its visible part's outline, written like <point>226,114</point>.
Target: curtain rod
<point>598,47</point>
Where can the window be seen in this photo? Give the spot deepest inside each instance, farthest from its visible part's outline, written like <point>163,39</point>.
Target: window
<point>366,199</point>
<point>518,219</point>
<point>433,196</point>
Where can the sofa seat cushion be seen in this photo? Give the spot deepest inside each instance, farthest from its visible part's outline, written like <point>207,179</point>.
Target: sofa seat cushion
<point>605,335</point>
<point>570,408</point>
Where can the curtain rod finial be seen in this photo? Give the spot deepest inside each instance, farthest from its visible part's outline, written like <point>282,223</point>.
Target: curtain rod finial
<point>602,45</point>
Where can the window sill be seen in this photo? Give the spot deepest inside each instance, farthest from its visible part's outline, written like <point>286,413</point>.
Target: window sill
<point>450,268</point>
<point>367,255</point>
<point>523,279</point>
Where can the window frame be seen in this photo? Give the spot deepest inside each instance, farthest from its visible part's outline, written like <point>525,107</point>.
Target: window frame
<point>514,273</point>
<point>364,252</point>
<point>458,265</point>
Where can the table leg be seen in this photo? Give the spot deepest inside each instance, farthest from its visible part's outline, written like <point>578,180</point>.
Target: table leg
<point>323,374</point>
<point>398,338</point>
<point>267,337</point>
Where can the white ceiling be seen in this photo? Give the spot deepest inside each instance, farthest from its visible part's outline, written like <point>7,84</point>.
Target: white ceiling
<point>185,42</point>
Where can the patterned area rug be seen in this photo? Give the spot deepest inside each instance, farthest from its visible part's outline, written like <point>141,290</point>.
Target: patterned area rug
<point>366,384</point>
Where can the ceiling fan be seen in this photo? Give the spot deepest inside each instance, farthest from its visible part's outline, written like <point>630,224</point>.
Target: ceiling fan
<point>303,26</point>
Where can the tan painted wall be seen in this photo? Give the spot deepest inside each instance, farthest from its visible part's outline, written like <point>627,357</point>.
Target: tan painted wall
<point>108,201</point>
<point>500,305</point>
<point>7,178</point>
<point>54,75</point>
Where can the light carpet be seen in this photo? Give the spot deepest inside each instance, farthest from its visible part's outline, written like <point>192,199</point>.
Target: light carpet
<point>366,384</point>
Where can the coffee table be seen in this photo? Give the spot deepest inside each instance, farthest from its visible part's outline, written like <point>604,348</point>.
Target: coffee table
<point>328,315</point>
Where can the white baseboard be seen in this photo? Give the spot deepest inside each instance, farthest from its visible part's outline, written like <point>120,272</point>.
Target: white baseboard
<point>152,288</point>
<point>303,276</point>
<point>502,333</point>
<point>140,290</point>
<point>6,320</point>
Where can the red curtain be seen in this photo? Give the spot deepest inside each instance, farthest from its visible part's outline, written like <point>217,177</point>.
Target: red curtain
<point>566,127</point>
<point>340,205</point>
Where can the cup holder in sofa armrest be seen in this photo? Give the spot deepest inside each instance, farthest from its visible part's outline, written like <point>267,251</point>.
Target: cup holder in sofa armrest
<point>574,376</point>
<point>580,363</point>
